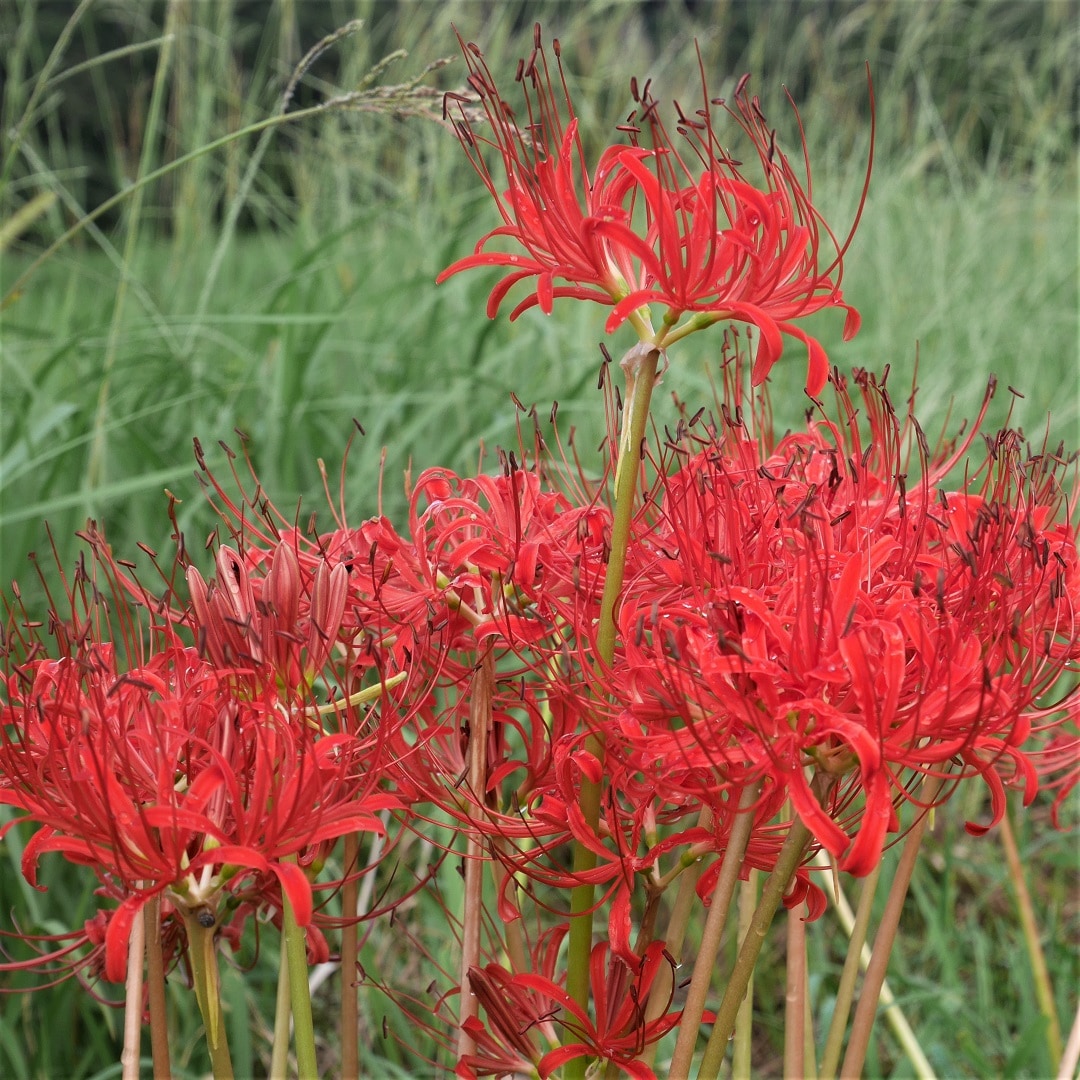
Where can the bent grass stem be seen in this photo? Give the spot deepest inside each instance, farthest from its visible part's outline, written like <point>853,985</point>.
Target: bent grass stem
<point>1025,909</point>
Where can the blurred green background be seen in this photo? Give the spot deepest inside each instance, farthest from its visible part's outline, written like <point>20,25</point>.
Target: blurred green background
<point>282,284</point>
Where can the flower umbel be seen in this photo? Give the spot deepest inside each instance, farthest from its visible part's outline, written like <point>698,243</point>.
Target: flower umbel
<point>647,225</point>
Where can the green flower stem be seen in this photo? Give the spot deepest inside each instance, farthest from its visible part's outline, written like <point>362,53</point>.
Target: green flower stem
<point>202,956</point>
<point>795,998</point>
<point>787,862</point>
<point>741,1055</point>
<point>129,1055</point>
<point>845,992</point>
<point>719,906</point>
<point>303,1028</point>
<point>866,1010</point>
<point>1044,991</point>
<point>481,689</point>
<point>350,945</point>
<point>584,860</point>
<point>279,1054</point>
<point>155,985</point>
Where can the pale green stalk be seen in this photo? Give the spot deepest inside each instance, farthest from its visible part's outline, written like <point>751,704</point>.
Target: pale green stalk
<point>742,1054</point>
<point>787,862</point>
<point>720,905</point>
<point>866,1009</point>
<point>155,985</point>
<point>856,927</point>
<point>795,998</point>
<point>202,956</point>
<point>129,1055</point>
<point>295,942</point>
<point>279,1054</point>
<point>1044,992</point>
<point>584,860</point>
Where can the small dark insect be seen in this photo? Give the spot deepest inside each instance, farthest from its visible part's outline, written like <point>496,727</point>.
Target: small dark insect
<point>205,917</point>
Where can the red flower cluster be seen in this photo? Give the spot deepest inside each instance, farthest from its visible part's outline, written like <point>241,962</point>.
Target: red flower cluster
<point>204,776</point>
<point>829,605</point>
<point>833,605</point>
<point>646,225</point>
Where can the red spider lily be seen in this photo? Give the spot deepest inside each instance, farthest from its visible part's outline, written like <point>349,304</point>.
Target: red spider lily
<point>620,1032</point>
<point>805,606</point>
<point>176,776</point>
<point>506,1045</point>
<point>710,243</point>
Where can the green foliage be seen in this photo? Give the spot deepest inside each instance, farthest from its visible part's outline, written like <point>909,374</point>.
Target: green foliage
<point>164,323</point>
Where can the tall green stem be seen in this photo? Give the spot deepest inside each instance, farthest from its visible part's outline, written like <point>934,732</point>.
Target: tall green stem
<point>155,985</point>
<point>129,1057</point>
<point>1044,990</point>
<point>866,1010</point>
<point>350,945</point>
<point>741,1054</point>
<point>787,862</point>
<point>279,1053</point>
<point>204,974</point>
<point>481,688</point>
<point>719,906</point>
<point>303,1027</point>
<point>645,359</point>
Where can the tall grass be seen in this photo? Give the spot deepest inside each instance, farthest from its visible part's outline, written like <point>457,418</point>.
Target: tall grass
<point>283,285</point>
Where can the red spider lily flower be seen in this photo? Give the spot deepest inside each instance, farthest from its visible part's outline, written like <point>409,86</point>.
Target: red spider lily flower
<point>620,1032</point>
<point>174,777</point>
<point>506,1045</point>
<point>809,606</point>
<point>645,226</point>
